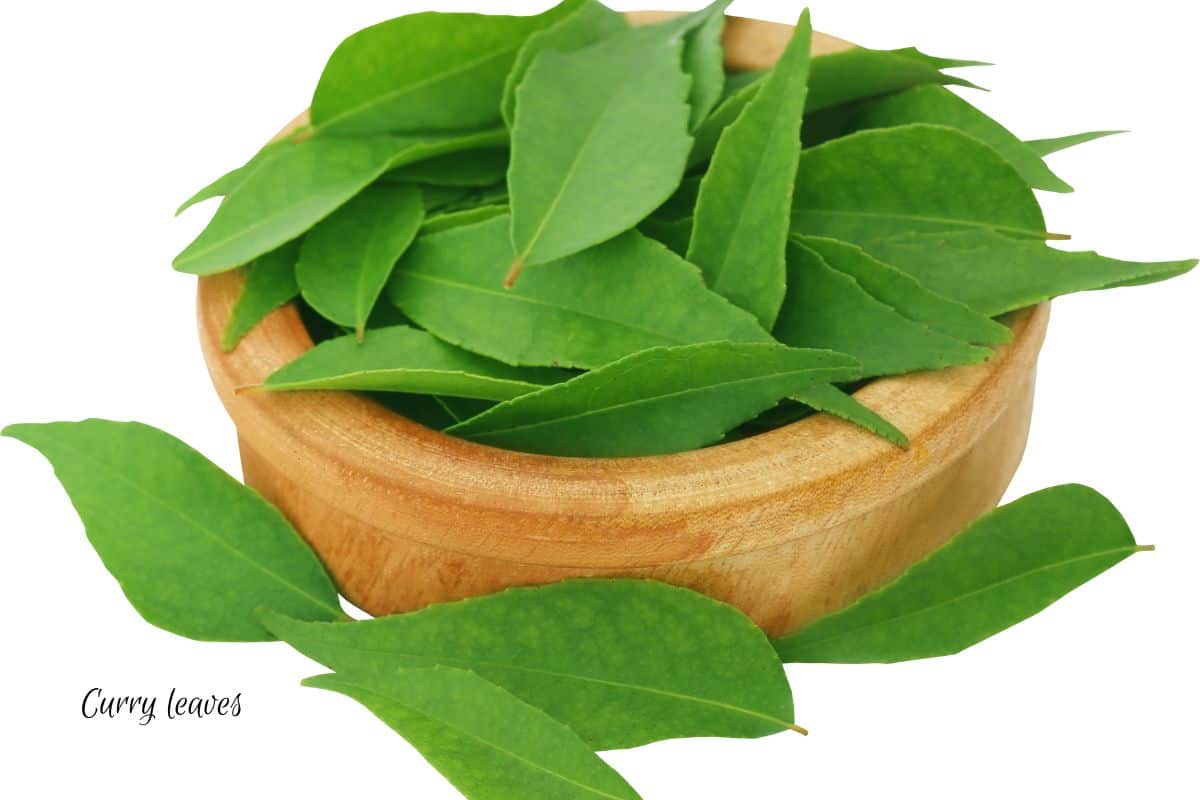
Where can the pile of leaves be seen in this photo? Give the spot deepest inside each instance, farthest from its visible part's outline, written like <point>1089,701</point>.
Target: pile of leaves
<point>560,234</point>
<point>510,695</point>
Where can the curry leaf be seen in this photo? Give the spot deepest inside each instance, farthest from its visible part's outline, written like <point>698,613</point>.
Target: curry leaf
<point>1006,567</point>
<point>485,741</point>
<point>483,167</point>
<point>739,236</point>
<point>826,308</point>
<point>1044,147</point>
<point>404,359</point>
<point>662,400</point>
<point>704,60</point>
<point>295,187</point>
<point>581,311</point>
<point>195,551</point>
<point>877,183</point>
<point>937,105</point>
<point>444,221</point>
<point>616,660</point>
<point>994,274</point>
<point>270,283</point>
<point>433,411</point>
<point>904,293</point>
<point>834,401</point>
<point>586,22</point>
<point>346,258</point>
<point>834,79</point>
<point>618,108</point>
<point>422,72</point>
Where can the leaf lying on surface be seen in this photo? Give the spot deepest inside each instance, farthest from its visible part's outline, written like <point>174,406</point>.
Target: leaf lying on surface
<point>937,105</point>
<point>1005,567</point>
<point>828,309</point>
<point>296,187</point>
<point>879,183</point>
<point>663,400</point>
<point>404,359</point>
<point>994,274</point>
<point>422,72</point>
<point>489,744</point>
<point>618,107</point>
<point>347,257</point>
<point>195,551</point>
<point>834,79</point>
<point>906,295</point>
<point>270,283</point>
<point>606,657</point>
<point>743,210</point>
<point>832,400</point>
<point>585,310</point>
<point>1044,147</point>
<point>586,22</point>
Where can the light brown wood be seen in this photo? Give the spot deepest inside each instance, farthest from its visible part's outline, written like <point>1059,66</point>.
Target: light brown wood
<point>787,525</point>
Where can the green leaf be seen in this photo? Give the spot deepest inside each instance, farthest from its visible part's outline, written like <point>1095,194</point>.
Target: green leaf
<point>422,72</point>
<point>447,220</point>
<point>1044,147</point>
<point>270,283</point>
<point>879,183</point>
<point>585,23</point>
<point>581,311</point>
<point>228,182</point>
<point>431,410</point>
<point>483,167</point>
<point>994,274</point>
<point>622,662</point>
<point>296,187</point>
<point>704,60</point>
<point>1006,567</point>
<point>404,359</point>
<point>617,108</point>
<point>860,73</point>
<point>743,212</point>
<point>673,234</point>
<point>832,400</point>
<point>195,551</point>
<point>663,400</point>
<point>489,744</point>
<point>834,79</point>
<point>346,258</point>
<point>937,105</point>
<point>828,309</point>
<point>906,295</point>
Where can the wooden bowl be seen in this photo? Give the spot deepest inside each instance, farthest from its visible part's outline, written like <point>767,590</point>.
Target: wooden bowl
<point>787,525</point>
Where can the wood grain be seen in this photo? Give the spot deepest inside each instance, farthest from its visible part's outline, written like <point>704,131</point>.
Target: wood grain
<point>786,525</point>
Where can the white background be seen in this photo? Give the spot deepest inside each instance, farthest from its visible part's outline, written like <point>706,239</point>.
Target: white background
<point>114,112</point>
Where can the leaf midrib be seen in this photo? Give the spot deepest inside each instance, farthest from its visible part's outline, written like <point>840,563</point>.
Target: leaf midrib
<point>1026,232</point>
